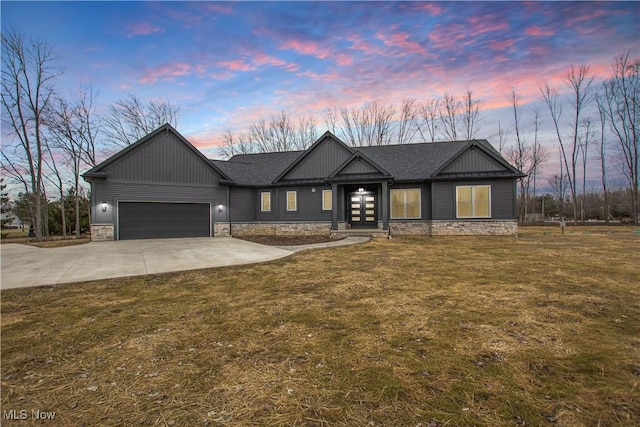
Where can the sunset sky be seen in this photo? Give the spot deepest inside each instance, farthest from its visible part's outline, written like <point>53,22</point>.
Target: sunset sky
<point>225,64</point>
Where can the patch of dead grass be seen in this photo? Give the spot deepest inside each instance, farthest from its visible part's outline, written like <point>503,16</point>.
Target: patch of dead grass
<point>451,330</point>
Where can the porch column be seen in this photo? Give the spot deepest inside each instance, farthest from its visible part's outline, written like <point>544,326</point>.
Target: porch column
<point>334,206</point>
<point>385,205</point>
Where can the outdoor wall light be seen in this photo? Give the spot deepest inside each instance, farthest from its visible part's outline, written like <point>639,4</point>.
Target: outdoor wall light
<point>103,205</point>
<point>220,207</point>
<point>360,190</point>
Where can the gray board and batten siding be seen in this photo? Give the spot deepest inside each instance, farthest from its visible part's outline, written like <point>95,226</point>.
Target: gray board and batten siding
<point>160,170</point>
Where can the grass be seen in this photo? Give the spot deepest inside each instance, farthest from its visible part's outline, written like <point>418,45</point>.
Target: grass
<point>446,331</point>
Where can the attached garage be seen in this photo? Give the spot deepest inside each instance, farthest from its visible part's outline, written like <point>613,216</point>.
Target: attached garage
<point>154,220</point>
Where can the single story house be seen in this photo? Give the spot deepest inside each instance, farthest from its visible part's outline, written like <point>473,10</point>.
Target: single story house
<point>162,186</point>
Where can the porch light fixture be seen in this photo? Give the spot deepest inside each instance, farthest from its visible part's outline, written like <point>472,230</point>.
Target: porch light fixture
<point>360,190</point>
<point>103,205</point>
<point>220,207</point>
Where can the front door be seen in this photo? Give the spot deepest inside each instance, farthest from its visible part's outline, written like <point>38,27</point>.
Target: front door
<point>362,210</point>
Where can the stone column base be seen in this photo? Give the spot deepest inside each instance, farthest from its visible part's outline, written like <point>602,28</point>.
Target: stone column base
<point>102,232</point>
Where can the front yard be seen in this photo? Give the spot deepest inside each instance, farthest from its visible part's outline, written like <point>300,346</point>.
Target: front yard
<point>445,331</point>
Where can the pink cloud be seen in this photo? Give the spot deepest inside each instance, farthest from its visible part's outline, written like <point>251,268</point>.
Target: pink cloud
<point>502,44</point>
<point>166,72</point>
<point>306,48</point>
<point>358,43</point>
<point>264,59</point>
<point>434,9</point>
<point>236,65</point>
<point>538,31</point>
<point>220,8</point>
<point>588,16</point>
<point>344,59</point>
<point>402,41</point>
<point>447,36</point>
<point>485,24</point>
<point>142,29</point>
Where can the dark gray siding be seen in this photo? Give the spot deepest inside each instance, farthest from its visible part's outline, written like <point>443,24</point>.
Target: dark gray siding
<point>113,192</point>
<point>319,163</point>
<point>358,167</point>
<point>163,159</point>
<point>243,204</point>
<point>266,216</point>
<point>502,198</point>
<point>425,197</point>
<point>474,160</point>
<point>309,204</point>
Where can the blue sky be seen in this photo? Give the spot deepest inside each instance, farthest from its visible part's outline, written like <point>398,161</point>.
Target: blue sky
<point>225,64</point>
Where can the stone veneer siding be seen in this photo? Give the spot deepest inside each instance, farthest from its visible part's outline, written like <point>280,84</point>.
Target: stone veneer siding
<point>408,228</point>
<point>102,232</point>
<point>221,229</point>
<point>475,228</point>
<point>280,228</point>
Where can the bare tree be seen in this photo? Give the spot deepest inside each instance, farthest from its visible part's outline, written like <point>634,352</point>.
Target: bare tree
<point>525,157</point>
<point>502,135</point>
<point>602,154</point>
<point>585,139</point>
<point>128,119</point>
<point>407,122</point>
<point>58,182</point>
<point>371,124</point>
<point>278,132</point>
<point>449,113</point>
<point>470,113</point>
<point>622,109</point>
<point>73,134</point>
<point>579,80</point>
<point>28,75</point>
<point>429,115</point>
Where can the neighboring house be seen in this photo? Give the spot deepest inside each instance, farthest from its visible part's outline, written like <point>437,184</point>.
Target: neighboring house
<point>162,186</point>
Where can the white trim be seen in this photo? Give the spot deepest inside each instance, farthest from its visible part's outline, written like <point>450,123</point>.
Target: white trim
<point>261,201</point>
<point>295,201</point>
<point>324,207</point>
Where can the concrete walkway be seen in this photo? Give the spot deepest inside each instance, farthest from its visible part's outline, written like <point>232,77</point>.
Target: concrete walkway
<point>352,240</point>
<point>27,266</point>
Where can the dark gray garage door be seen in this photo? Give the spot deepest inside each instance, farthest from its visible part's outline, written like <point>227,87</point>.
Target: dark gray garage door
<point>143,220</point>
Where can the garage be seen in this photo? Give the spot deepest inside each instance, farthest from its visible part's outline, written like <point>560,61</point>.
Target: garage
<point>151,220</point>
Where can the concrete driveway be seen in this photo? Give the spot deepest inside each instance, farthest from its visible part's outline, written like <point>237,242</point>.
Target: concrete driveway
<point>26,266</point>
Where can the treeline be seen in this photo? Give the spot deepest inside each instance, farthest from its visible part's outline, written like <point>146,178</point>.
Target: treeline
<point>445,118</point>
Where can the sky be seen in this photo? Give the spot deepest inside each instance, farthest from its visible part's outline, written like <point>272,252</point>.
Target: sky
<point>227,64</point>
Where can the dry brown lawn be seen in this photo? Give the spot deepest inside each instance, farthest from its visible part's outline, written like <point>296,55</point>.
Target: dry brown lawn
<point>447,331</point>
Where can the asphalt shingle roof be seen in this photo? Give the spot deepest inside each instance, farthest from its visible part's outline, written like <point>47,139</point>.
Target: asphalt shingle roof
<point>404,162</point>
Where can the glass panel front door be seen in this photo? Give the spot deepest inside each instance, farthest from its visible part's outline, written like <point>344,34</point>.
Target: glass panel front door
<point>362,210</point>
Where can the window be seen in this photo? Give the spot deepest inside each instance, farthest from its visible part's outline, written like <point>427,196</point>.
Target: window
<point>265,201</point>
<point>405,204</point>
<point>292,201</point>
<point>473,201</point>
<point>327,201</point>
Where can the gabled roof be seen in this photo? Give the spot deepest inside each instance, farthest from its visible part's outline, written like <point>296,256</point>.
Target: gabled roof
<point>485,147</point>
<point>98,170</point>
<point>310,150</point>
<point>358,156</point>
